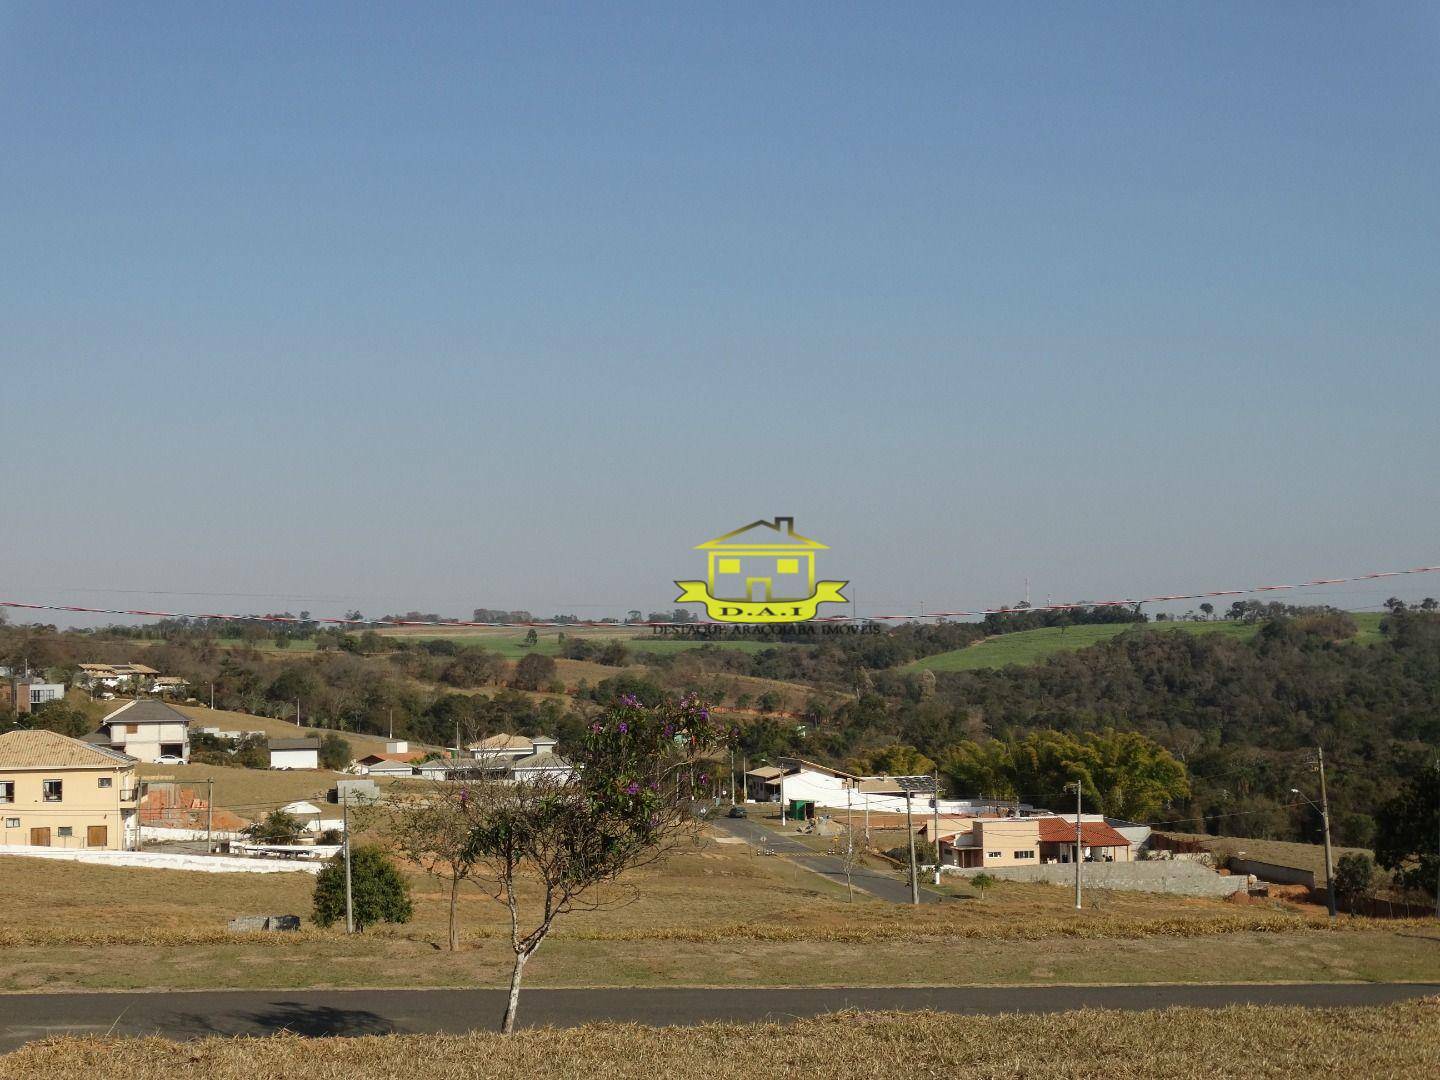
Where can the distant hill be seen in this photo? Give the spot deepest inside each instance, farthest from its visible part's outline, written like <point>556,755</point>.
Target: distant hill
<point>1032,646</point>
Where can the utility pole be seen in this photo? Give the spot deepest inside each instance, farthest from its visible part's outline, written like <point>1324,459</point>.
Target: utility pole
<point>349,893</point>
<point>936,826</point>
<point>1325,817</point>
<point>209,817</point>
<point>732,776</point>
<point>849,840</point>
<point>914,870</point>
<point>212,697</point>
<point>1079,788</point>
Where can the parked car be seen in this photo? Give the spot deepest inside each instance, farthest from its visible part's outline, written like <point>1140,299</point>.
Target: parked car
<point>738,811</point>
<point>169,759</point>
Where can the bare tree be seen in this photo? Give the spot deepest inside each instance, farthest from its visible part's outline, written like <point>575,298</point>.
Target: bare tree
<point>545,848</point>
<point>433,829</point>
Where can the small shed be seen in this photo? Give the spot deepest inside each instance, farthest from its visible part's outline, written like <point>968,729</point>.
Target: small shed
<point>295,753</point>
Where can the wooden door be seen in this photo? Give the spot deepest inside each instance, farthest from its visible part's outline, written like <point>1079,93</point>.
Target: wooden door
<point>40,837</point>
<point>97,836</point>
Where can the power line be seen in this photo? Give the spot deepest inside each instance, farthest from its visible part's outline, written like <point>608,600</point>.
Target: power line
<point>971,613</point>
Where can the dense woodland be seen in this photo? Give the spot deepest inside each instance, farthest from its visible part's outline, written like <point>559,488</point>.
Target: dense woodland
<point>1226,727</point>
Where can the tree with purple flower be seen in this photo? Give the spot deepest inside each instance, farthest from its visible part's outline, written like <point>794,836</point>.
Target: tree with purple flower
<point>547,848</point>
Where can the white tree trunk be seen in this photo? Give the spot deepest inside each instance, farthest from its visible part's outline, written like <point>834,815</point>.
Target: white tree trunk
<point>454,923</point>
<point>512,1006</point>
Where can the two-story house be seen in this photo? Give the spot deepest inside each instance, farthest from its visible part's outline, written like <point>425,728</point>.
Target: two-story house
<point>56,791</point>
<point>499,752</point>
<point>147,730</point>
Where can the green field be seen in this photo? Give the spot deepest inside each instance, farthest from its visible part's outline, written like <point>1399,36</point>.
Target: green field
<point>511,643</point>
<point>1033,646</point>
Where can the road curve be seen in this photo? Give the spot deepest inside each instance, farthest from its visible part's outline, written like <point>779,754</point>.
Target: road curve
<point>891,888</point>
<point>192,1015</point>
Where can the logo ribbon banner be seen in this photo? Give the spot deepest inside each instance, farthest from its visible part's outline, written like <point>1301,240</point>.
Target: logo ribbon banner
<point>761,611</point>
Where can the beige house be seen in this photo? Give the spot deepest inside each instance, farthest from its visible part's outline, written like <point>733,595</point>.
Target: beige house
<point>148,730</point>
<point>60,792</point>
<point>1019,841</point>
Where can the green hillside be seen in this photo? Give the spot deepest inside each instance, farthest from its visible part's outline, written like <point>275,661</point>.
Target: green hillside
<point>1033,646</point>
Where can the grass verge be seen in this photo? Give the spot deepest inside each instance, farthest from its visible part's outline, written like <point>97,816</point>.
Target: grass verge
<point>1253,1041</point>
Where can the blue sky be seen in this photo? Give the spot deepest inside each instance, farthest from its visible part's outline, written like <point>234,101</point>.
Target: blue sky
<point>431,305</point>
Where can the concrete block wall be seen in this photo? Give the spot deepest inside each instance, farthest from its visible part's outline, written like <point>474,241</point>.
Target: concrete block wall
<point>1176,878</point>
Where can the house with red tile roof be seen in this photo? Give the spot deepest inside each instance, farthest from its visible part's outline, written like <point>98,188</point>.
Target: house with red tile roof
<point>973,843</point>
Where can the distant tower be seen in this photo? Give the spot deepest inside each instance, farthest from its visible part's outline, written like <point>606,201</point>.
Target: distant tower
<point>1027,592</point>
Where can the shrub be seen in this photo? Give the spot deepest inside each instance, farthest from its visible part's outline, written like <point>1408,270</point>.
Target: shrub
<point>335,752</point>
<point>1354,875</point>
<point>981,882</point>
<point>380,891</point>
<point>533,671</point>
<point>278,828</point>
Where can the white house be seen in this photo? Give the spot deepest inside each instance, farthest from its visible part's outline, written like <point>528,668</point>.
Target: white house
<point>393,765</point>
<point>113,676</point>
<point>501,750</point>
<point>146,730</point>
<point>24,694</point>
<point>545,766</point>
<point>295,753</point>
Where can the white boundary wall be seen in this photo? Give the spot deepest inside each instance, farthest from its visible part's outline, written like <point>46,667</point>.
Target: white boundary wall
<point>157,860</point>
<point>161,832</point>
<point>830,792</point>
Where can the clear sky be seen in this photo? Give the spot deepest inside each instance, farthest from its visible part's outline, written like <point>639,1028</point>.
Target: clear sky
<point>433,306</point>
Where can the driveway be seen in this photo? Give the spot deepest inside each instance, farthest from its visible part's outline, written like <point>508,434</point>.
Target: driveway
<point>876,884</point>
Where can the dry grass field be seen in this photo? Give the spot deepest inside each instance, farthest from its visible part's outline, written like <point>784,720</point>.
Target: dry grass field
<point>1260,1042</point>
<point>251,793</point>
<point>716,915</point>
<point>1283,852</point>
<point>277,729</point>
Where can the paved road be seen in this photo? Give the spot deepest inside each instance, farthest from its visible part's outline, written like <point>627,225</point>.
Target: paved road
<point>876,884</point>
<point>24,1017</point>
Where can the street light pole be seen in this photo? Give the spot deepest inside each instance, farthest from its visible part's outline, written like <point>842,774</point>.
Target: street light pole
<point>1325,818</point>
<point>910,829</point>
<point>1079,788</point>
<point>936,829</point>
<point>349,894</point>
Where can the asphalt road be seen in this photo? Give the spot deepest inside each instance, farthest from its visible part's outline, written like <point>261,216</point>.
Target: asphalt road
<point>879,885</point>
<point>24,1017</point>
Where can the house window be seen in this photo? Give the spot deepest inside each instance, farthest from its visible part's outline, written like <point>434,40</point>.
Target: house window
<point>1024,854</point>
<point>132,729</point>
<point>53,790</point>
<point>106,781</point>
<point>66,830</point>
<point>729,566</point>
<point>12,822</point>
<point>7,790</point>
<point>787,566</point>
<point>993,854</point>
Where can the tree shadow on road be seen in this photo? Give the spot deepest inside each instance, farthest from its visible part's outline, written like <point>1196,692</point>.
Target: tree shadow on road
<point>294,1017</point>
